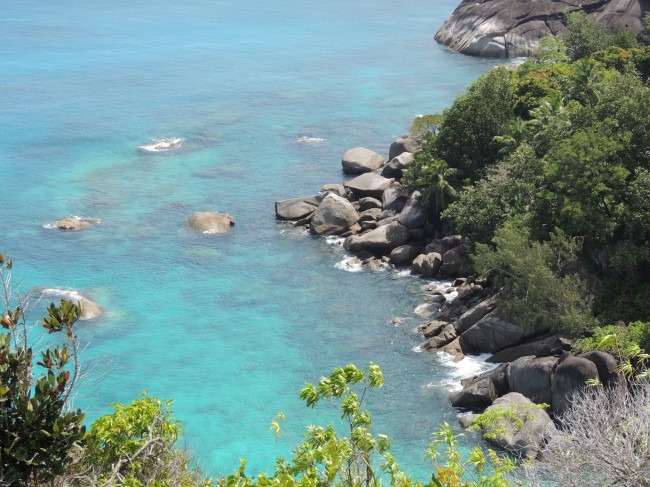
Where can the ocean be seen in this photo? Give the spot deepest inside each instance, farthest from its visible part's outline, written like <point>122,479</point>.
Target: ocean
<point>266,98</point>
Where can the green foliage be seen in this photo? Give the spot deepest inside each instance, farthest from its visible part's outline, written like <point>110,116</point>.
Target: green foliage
<point>620,341</point>
<point>135,444</point>
<point>465,140</point>
<point>584,35</point>
<point>537,296</point>
<point>325,459</point>
<point>425,126</point>
<point>38,432</point>
<point>438,181</point>
<point>499,420</point>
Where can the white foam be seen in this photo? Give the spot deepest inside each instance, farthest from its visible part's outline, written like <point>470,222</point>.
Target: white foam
<point>334,241</point>
<point>162,145</point>
<point>69,294</point>
<point>469,366</point>
<point>349,264</point>
<point>309,140</point>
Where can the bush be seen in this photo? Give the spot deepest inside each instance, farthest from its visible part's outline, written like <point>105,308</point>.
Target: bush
<point>537,296</point>
<point>39,430</point>
<point>628,340</point>
<point>602,440</point>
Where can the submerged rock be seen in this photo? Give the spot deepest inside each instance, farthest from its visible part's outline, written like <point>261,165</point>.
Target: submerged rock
<point>74,223</point>
<point>211,222</point>
<point>89,309</point>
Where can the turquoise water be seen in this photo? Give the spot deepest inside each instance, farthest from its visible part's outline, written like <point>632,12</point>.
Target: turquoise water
<point>228,326</point>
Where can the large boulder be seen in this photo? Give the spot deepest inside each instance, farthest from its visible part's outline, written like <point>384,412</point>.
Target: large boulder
<point>395,168</point>
<point>297,208</point>
<point>361,160</point>
<point>533,377</point>
<point>404,254</point>
<point>382,239</point>
<point>333,216</point>
<point>427,264</point>
<point>369,184</point>
<point>491,334</point>
<point>211,222</point>
<point>506,28</point>
<point>543,347</point>
<point>478,394</point>
<point>452,261</point>
<point>404,143</point>
<point>522,433</point>
<point>571,377</point>
<point>414,214</point>
<point>606,365</point>
<point>498,376</point>
<point>393,199</point>
<point>473,315</point>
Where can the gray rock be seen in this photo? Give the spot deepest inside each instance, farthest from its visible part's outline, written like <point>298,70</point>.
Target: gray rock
<point>333,216</point>
<point>337,189</point>
<point>479,394</point>
<point>525,435</point>
<point>211,222</point>
<point>427,264</point>
<point>452,260</point>
<point>369,203</point>
<point>606,365</point>
<point>554,344</point>
<point>450,242</point>
<point>473,315</point>
<point>369,184</point>
<point>433,328</point>
<point>395,168</point>
<point>414,214</point>
<point>570,377</point>
<point>404,143</point>
<point>491,334</point>
<point>533,377</point>
<point>498,375</point>
<point>404,254</point>
<point>465,421</point>
<point>371,214</point>
<point>361,160</point>
<point>394,199</point>
<point>446,335</point>
<point>297,208</point>
<point>382,239</point>
<point>502,28</point>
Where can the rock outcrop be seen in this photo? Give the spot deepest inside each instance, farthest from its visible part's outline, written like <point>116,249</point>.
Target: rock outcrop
<point>74,223</point>
<point>507,28</point>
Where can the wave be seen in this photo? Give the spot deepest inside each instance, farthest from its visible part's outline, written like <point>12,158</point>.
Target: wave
<point>162,145</point>
<point>469,366</point>
<point>309,140</point>
<point>350,264</point>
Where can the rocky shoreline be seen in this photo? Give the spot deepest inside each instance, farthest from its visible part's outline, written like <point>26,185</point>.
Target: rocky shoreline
<point>382,224</point>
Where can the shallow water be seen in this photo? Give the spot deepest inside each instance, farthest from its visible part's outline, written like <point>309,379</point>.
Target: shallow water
<point>266,98</point>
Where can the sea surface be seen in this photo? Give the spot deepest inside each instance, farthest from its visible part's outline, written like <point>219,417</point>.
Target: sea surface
<point>266,97</point>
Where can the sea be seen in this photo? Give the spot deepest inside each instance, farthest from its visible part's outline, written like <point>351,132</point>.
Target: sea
<point>264,97</point>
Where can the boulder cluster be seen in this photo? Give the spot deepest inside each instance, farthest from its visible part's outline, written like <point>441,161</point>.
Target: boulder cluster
<point>379,220</point>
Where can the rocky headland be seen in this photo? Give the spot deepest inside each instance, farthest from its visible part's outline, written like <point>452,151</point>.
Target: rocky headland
<point>513,28</point>
<point>385,225</point>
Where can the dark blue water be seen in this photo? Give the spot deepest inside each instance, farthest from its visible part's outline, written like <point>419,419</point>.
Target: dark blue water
<point>228,326</point>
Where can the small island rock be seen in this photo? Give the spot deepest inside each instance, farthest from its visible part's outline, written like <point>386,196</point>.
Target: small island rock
<point>211,222</point>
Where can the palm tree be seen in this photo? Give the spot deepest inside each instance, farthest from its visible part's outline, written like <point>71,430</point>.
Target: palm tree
<point>440,189</point>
